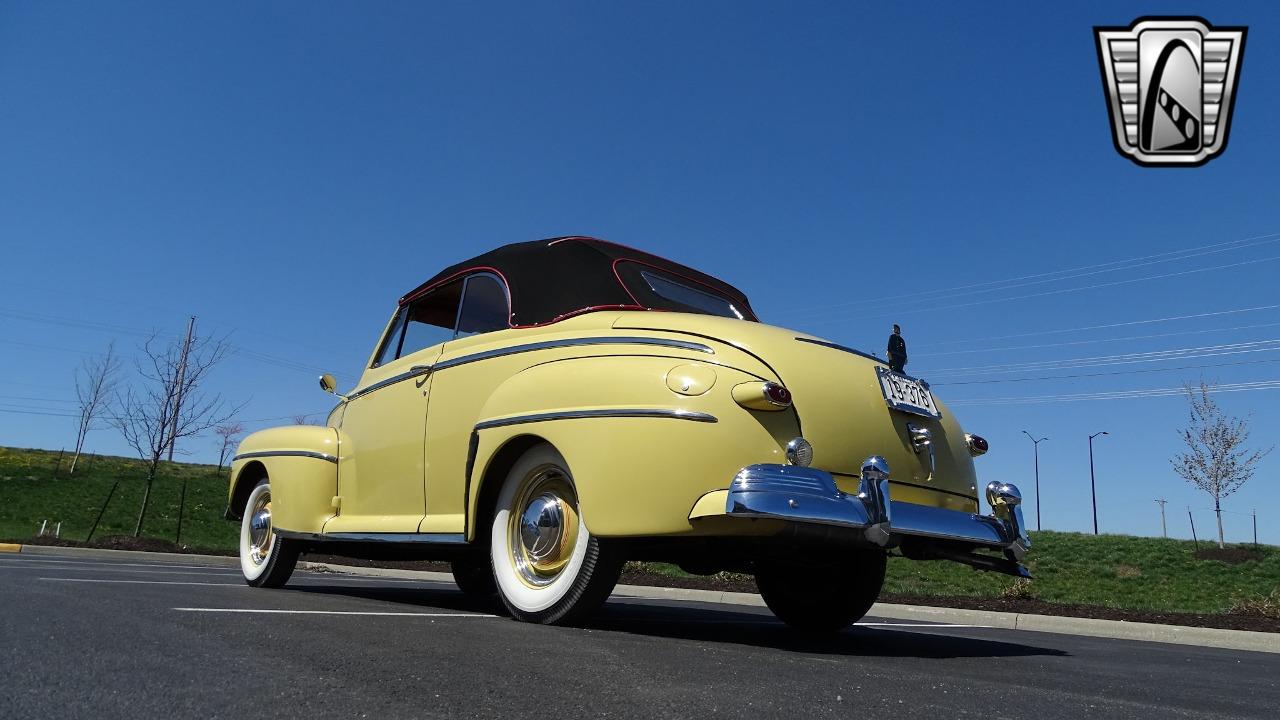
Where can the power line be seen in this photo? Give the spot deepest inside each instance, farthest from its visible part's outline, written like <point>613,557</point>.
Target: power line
<point>1102,374</point>
<point>1062,291</point>
<point>1129,323</point>
<point>1121,359</point>
<point>1116,395</point>
<point>1065,274</point>
<point>1096,341</point>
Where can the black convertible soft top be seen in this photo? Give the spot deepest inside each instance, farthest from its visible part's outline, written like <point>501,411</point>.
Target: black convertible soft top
<point>548,280</point>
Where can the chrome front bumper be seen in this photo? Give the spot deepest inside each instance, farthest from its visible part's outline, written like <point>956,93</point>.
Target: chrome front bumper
<point>805,495</point>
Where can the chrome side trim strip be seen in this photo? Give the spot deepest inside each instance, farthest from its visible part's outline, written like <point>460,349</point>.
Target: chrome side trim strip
<point>574,342</point>
<point>412,372</point>
<point>285,453</point>
<point>417,370</point>
<point>418,538</point>
<point>598,413</point>
<point>842,348</point>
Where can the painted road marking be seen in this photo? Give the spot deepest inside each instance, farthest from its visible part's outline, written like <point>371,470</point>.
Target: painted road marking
<point>142,582</point>
<point>919,625</point>
<point>59,561</point>
<point>48,568</point>
<point>335,612</point>
<point>10,548</point>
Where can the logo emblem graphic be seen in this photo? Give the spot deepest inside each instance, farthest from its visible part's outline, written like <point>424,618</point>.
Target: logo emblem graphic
<point>1171,86</point>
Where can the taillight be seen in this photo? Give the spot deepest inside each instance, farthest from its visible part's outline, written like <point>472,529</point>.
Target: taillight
<point>762,396</point>
<point>977,444</point>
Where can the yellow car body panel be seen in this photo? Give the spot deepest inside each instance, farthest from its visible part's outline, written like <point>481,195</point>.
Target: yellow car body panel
<point>301,461</point>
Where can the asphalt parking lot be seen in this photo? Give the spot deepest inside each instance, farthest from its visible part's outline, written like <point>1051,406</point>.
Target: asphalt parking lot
<point>92,638</point>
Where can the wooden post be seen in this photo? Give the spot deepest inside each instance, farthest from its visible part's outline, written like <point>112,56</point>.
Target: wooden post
<point>182,503</point>
<point>1193,529</point>
<point>103,510</point>
<point>1255,528</point>
<point>58,465</point>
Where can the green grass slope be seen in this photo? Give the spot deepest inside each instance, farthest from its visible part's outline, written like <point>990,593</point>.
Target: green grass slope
<point>1110,570</point>
<point>35,487</point>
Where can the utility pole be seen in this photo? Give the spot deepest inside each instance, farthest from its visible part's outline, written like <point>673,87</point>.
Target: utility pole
<point>1036,445</point>
<point>1093,486</point>
<point>1164,531</point>
<point>182,371</point>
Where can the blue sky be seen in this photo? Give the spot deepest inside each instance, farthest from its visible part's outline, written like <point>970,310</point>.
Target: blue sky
<point>285,171</point>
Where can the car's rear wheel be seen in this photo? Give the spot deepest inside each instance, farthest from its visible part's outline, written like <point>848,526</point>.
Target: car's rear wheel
<point>548,567</point>
<point>266,559</point>
<point>474,576</point>
<point>825,596</point>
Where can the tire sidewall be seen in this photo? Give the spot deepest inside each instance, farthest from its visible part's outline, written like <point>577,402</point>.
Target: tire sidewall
<point>254,573</point>
<point>517,594</point>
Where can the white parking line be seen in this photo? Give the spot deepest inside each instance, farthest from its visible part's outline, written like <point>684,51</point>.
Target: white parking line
<point>919,625</point>
<point>52,568</point>
<point>142,582</point>
<point>335,612</point>
<point>42,560</point>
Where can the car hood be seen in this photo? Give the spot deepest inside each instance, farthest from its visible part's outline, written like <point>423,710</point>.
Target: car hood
<point>836,394</point>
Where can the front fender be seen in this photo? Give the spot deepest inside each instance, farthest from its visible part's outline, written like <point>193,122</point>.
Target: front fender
<point>302,463</point>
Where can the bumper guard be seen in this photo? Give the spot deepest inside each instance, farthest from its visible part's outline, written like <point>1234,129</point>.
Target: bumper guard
<point>806,495</point>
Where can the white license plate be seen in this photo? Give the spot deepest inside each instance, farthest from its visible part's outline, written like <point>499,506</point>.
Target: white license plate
<point>906,393</point>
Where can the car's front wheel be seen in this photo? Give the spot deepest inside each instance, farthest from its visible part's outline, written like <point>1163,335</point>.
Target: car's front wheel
<point>823,596</point>
<point>266,559</point>
<point>548,567</point>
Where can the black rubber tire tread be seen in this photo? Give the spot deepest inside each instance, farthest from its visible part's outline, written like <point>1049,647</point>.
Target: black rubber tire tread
<point>823,597</point>
<point>474,576</point>
<point>595,582</point>
<point>283,560</point>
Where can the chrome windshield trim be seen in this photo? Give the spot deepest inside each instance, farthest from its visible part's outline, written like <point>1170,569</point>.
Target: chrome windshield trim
<point>598,413</point>
<point>422,538</point>
<point>842,348</point>
<point>286,453</point>
<point>412,372</point>
<point>573,342</point>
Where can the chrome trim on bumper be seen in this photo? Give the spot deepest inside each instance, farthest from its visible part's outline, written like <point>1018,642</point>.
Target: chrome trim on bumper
<point>806,495</point>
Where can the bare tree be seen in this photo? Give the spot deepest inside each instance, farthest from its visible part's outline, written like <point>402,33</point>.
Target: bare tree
<point>1216,460</point>
<point>95,381</point>
<point>151,419</point>
<point>228,435</point>
<point>302,420</point>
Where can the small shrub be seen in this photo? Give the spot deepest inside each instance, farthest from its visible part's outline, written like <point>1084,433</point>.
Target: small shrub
<point>1267,606</point>
<point>1021,589</point>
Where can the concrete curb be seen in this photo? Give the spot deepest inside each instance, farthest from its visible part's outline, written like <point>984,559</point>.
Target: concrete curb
<point>1113,629</point>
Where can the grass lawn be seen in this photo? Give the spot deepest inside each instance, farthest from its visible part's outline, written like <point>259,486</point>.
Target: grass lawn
<point>31,492</point>
<point>1118,571</point>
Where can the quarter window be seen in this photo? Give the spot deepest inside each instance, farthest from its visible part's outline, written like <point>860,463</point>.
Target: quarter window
<point>484,306</point>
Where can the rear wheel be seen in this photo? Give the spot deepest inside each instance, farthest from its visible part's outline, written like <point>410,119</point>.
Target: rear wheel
<point>826,596</point>
<point>266,559</point>
<point>548,567</point>
<point>474,576</point>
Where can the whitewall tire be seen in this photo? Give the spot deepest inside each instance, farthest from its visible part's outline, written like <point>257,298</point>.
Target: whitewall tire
<point>547,565</point>
<point>266,559</point>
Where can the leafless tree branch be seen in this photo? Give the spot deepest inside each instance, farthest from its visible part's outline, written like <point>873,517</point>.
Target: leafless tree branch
<point>95,382</point>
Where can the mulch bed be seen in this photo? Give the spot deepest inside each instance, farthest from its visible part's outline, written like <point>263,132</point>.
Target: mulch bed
<point>734,583</point>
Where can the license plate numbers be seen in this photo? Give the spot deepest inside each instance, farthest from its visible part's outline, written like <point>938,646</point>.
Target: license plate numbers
<point>907,394</point>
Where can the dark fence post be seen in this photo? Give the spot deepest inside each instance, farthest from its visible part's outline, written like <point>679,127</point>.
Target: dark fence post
<point>58,465</point>
<point>1255,528</point>
<point>103,510</point>
<point>1193,530</point>
<point>182,503</point>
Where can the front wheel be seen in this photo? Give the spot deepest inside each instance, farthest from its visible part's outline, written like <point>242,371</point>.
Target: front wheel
<point>548,567</point>
<point>823,597</point>
<point>266,559</point>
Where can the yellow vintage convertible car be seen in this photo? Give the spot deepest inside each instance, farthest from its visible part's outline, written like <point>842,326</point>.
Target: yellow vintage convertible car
<point>541,413</point>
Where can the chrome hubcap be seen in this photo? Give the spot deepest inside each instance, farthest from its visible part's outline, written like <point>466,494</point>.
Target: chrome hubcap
<point>260,535</point>
<point>543,527</point>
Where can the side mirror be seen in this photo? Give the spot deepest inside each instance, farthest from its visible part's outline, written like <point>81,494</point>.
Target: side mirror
<point>329,384</point>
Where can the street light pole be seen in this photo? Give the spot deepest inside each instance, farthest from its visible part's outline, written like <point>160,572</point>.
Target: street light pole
<point>1093,486</point>
<point>1036,445</point>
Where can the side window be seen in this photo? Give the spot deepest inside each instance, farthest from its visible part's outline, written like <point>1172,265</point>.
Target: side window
<point>425,322</point>
<point>484,306</point>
